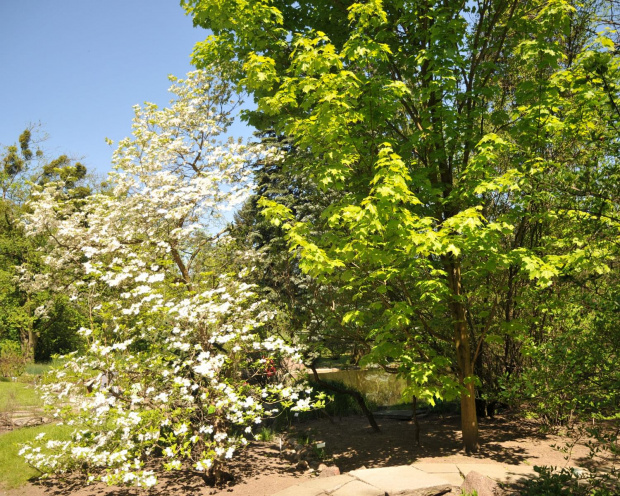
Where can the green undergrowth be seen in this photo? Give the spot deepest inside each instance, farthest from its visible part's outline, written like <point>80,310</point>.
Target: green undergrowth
<point>14,472</point>
<point>565,482</point>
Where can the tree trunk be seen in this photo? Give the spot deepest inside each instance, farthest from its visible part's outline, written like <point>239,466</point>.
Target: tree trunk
<point>469,419</point>
<point>27,333</point>
<point>416,431</point>
<point>31,345</point>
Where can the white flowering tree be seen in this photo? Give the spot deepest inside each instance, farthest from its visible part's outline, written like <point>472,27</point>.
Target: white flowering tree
<point>179,353</point>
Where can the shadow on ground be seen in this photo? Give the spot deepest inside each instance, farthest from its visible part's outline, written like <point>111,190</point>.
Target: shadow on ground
<point>353,444</point>
<point>350,444</point>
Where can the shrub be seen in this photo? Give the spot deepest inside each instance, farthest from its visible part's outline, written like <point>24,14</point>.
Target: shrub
<point>12,360</point>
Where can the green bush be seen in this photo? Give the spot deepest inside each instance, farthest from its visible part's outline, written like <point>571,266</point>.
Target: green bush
<point>567,482</point>
<point>12,360</point>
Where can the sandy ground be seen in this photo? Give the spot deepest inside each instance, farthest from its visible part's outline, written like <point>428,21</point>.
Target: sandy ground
<point>351,444</point>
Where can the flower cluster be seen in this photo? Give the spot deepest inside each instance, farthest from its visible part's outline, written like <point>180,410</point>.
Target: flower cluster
<point>174,368</point>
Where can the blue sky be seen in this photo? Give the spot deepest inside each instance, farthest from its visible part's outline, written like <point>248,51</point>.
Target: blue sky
<point>78,67</point>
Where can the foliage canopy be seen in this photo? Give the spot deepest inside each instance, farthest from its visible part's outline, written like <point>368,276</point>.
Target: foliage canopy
<point>452,133</point>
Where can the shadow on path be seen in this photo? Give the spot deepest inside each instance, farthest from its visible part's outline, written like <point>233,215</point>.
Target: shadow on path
<point>353,444</point>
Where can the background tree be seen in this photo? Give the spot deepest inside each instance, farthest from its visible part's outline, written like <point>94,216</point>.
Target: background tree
<point>440,126</point>
<point>43,322</point>
<point>311,312</point>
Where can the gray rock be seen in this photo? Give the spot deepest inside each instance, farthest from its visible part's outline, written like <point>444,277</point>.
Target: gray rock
<point>475,481</point>
<point>325,471</point>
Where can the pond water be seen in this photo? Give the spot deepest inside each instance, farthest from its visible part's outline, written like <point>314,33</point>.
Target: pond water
<point>380,387</point>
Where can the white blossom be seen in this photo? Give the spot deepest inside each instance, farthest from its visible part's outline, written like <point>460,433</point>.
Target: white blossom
<point>167,341</point>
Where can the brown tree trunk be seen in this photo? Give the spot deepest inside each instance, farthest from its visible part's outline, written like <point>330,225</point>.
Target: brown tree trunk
<point>469,419</point>
<point>416,424</point>
<point>28,335</point>
<point>31,345</point>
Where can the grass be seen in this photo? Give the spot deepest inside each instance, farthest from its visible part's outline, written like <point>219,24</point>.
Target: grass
<point>38,368</point>
<point>304,439</point>
<point>16,396</point>
<point>14,472</point>
<point>22,396</point>
<point>43,367</point>
<point>266,434</point>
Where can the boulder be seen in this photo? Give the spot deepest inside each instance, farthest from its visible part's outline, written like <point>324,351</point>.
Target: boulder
<point>484,486</point>
<point>325,471</point>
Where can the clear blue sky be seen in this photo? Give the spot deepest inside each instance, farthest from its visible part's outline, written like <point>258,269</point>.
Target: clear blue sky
<point>78,67</point>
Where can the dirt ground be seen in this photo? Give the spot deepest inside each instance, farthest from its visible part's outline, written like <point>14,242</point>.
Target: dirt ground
<point>351,444</point>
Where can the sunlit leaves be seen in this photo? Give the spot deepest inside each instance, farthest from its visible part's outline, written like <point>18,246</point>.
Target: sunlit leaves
<point>466,147</point>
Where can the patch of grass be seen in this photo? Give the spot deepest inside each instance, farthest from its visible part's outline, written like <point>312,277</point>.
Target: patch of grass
<point>265,434</point>
<point>304,439</point>
<point>14,472</point>
<point>38,368</point>
<point>18,396</point>
<point>44,367</point>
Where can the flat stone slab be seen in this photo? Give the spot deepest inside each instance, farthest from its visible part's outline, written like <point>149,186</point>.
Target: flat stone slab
<point>454,479</point>
<point>401,480</point>
<point>328,484</point>
<point>437,468</point>
<point>358,488</point>
<point>501,473</point>
<point>300,491</point>
<point>448,471</point>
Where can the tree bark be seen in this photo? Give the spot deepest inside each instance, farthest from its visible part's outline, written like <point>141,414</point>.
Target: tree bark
<point>27,333</point>
<point>469,419</point>
<point>32,344</point>
<point>416,424</point>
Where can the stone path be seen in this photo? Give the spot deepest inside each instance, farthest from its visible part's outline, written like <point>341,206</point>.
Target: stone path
<point>16,419</point>
<point>418,479</point>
